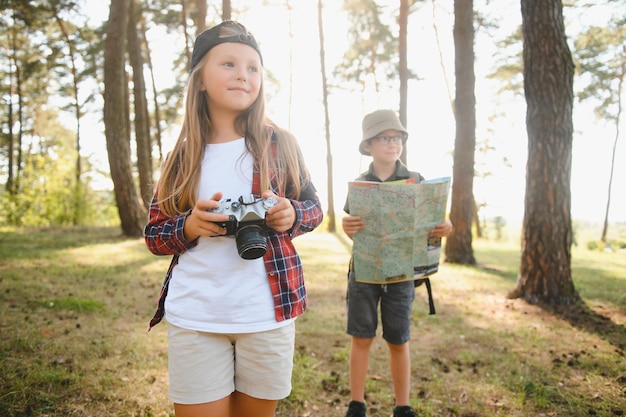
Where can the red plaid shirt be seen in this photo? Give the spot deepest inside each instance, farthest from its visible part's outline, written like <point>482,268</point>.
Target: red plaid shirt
<point>164,236</point>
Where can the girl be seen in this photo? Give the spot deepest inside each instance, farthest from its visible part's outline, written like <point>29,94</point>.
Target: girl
<point>230,320</point>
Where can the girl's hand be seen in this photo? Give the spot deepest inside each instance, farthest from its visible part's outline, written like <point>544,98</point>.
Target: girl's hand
<point>442,229</point>
<point>351,225</point>
<point>282,216</point>
<point>202,221</point>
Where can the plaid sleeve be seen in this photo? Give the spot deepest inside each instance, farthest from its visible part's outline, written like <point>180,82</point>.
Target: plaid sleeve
<point>283,264</point>
<point>309,215</point>
<point>164,235</point>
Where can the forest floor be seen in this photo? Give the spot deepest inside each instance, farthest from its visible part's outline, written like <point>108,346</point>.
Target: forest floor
<point>75,306</point>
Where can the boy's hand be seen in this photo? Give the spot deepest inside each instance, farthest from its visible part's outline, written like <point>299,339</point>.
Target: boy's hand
<point>351,225</point>
<point>282,216</point>
<point>442,229</point>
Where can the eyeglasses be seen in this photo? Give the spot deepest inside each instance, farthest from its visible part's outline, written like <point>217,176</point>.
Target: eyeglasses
<point>387,140</point>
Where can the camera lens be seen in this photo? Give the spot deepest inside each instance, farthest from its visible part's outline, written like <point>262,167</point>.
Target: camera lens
<point>251,242</point>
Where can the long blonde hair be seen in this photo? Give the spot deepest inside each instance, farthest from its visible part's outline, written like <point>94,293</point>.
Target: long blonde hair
<point>177,189</point>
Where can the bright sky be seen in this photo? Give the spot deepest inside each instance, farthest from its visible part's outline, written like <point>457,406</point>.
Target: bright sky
<point>431,124</point>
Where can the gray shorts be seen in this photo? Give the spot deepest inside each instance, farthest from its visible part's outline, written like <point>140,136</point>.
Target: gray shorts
<point>396,301</point>
<point>206,367</point>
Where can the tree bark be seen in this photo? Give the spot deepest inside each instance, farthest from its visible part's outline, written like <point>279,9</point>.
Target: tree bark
<point>226,10</point>
<point>201,11</point>
<point>545,271</point>
<point>183,21</point>
<point>12,61</point>
<point>77,114</point>
<point>155,93</point>
<point>618,118</point>
<point>142,118</point>
<point>459,244</point>
<point>403,66</point>
<point>131,213</point>
<point>329,156</point>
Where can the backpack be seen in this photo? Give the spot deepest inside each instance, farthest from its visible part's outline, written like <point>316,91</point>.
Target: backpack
<point>431,302</point>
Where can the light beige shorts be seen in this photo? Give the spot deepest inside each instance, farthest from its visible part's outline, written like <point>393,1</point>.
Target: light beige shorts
<point>205,367</point>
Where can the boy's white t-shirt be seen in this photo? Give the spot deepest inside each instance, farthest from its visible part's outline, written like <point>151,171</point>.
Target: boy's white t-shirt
<point>212,288</point>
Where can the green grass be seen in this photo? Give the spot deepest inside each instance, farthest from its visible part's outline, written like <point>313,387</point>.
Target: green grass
<point>75,305</point>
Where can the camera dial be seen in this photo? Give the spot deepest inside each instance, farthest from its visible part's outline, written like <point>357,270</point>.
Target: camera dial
<point>269,202</point>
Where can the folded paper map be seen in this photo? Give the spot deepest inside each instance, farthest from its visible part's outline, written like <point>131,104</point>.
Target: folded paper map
<point>394,245</point>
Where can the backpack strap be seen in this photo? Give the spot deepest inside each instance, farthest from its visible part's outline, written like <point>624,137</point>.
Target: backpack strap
<point>431,302</point>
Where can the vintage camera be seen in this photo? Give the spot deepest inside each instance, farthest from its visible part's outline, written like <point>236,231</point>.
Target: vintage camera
<point>246,221</point>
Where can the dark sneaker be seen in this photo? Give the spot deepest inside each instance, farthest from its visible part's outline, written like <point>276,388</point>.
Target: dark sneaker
<point>356,409</point>
<point>403,411</point>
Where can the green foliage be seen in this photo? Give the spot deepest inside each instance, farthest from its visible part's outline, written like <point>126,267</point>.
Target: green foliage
<point>49,61</point>
<point>601,63</point>
<point>49,196</point>
<point>509,64</point>
<point>593,245</point>
<point>45,198</point>
<point>494,228</point>
<point>373,47</point>
<point>610,245</point>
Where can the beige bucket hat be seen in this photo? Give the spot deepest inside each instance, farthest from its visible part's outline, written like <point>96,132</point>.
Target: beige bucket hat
<point>379,121</point>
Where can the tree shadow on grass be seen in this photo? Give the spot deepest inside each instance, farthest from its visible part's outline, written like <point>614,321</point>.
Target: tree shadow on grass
<point>582,317</point>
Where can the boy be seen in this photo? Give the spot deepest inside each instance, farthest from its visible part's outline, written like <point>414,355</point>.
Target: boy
<point>383,138</point>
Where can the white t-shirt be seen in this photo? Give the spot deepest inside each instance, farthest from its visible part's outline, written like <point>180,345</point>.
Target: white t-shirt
<point>212,288</point>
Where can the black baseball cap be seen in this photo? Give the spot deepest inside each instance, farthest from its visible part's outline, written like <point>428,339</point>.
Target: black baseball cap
<point>214,36</point>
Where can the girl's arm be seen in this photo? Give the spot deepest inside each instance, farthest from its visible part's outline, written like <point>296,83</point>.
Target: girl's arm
<point>165,235</point>
<point>309,215</point>
<point>294,216</point>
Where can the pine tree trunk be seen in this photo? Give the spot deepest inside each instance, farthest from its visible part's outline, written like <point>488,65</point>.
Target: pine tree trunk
<point>131,212</point>
<point>545,271</point>
<point>459,244</point>
<point>403,68</point>
<point>142,118</point>
<point>329,155</point>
